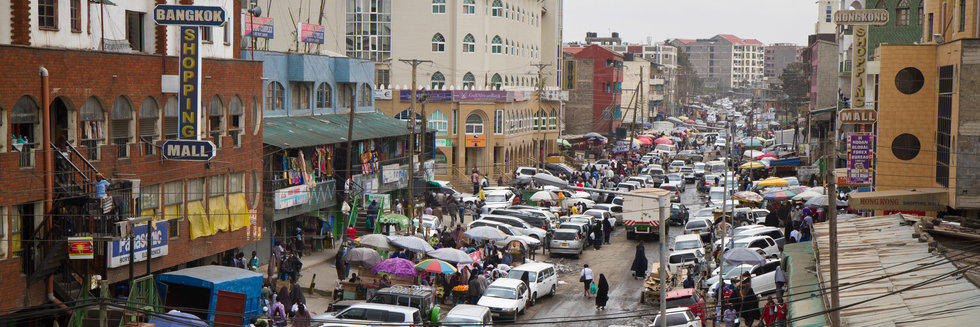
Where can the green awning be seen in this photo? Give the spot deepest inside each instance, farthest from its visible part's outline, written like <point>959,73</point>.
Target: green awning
<point>305,131</point>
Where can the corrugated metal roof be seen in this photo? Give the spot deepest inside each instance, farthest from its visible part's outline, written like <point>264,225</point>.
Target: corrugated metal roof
<point>882,246</point>
<point>304,131</point>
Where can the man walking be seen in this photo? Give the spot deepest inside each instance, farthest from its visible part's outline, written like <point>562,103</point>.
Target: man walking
<point>453,209</point>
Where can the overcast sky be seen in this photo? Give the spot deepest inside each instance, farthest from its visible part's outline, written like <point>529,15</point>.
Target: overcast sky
<point>769,21</point>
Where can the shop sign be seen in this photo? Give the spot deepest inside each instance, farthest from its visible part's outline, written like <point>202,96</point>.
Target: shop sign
<point>382,94</point>
<point>857,116</point>
<point>188,15</point>
<point>444,143</point>
<point>262,27</point>
<point>189,98</point>
<point>384,201</point>
<point>474,95</point>
<point>81,248</point>
<point>309,33</point>
<point>858,66</point>
<point>188,150</point>
<point>476,141</point>
<point>119,249</point>
<point>291,196</point>
<point>405,95</point>
<point>861,17</point>
<point>390,173</point>
<point>859,158</point>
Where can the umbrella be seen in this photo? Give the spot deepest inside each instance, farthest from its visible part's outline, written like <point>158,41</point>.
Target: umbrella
<point>645,141</point>
<point>751,143</point>
<point>674,138</point>
<point>683,118</point>
<point>674,120</point>
<point>485,233</point>
<point>780,195</point>
<point>681,128</point>
<point>395,266</point>
<point>809,194</point>
<point>543,196</point>
<point>394,219</point>
<point>581,195</point>
<point>411,243</point>
<point>766,155</point>
<point>689,121</point>
<point>748,196</point>
<point>363,257</point>
<point>648,135</point>
<point>738,256</point>
<point>663,140</point>
<point>451,255</point>
<point>436,266</point>
<point>752,153</point>
<point>752,165</point>
<point>374,241</point>
<point>773,181</point>
<point>563,142</point>
<point>593,136</point>
<point>175,318</point>
<point>821,201</point>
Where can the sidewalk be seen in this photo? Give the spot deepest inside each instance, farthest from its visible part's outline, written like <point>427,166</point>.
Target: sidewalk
<point>321,265</point>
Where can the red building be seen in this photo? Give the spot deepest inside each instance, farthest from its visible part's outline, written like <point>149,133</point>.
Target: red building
<point>594,79</point>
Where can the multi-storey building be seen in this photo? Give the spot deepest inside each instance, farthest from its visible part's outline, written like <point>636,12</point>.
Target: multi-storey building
<point>780,55</point>
<point>98,109</point>
<point>725,61</point>
<point>664,59</point>
<point>594,80</point>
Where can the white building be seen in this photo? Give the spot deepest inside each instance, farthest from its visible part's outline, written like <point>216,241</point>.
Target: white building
<point>825,16</point>
<point>726,61</point>
<point>285,17</point>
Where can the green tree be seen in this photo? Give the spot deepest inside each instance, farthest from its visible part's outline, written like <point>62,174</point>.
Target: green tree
<point>795,81</point>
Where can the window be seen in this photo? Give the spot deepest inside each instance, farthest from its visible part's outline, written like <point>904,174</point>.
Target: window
<point>134,30</point>
<point>474,124</point>
<point>438,6</point>
<point>437,122</point>
<point>496,46</point>
<point>469,81</point>
<point>301,94</point>
<point>496,82</point>
<point>498,121</point>
<point>47,14</point>
<point>236,111</point>
<point>150,197</point>
<point>76,15</point>
<point>323,96</point>
<point>122,117</point>
<point>922,12</point>
<point>553,120</point>
<point>170,119</point>
<point>902,13</point>
<point>909,80</point>
<point>438,43</point>
<point>469,43</point>
<point>535,121</point>
<point>92,122</point>
<point>149,117</point>
<point>929,33</point>
<point>236,183</point>
<point>469,7</point>
<point>438,81</point>
<point>944,125</point>
<point>195,189</point>
<point>274,97</point>
<point>497,9</point>
<point>455,122</point>
<point>366,95</point>
<point>962,17</point>
<point>206,34</point>
<point>906,146</point>
<point>382,77</point>
<point>216,115</point>
<point>216,185</point>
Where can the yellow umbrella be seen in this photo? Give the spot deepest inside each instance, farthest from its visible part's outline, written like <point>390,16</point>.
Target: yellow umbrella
<point>773,181</point>
<point>752,165</point>
<point>683,118</point>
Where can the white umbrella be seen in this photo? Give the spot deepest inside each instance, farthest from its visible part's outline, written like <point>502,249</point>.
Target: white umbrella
<point>821,201</point>
<point>573,201</point>
<point>581,195</point>
<point>805,196</point>
<point>739,256</point>
<point>451,255</point>
<point>543,196</point>
<point>375,241</point>
<point>481,233</point>
<point>411,243</point>
<point>752,154</point>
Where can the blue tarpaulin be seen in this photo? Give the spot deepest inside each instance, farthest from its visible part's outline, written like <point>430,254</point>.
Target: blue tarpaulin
<point>216,278</point>
<point>176,318</point>
<point>788,162</point>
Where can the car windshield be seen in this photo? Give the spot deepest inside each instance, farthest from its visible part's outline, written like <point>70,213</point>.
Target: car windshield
<point>429,223</point>
<point>516,274</point>
<point>565,236</point>
<point>674,177</point>
<point>673,319</point>
<point>696,224</point>
<point>678,302</point>
<point>468,321</point>
<point>687,245</point>
<point>735,271</point>
<point>501,292</point>
<point>579,220</point>
<point>681,258</point>
<point>496,198</point>
<point>717,195</point>
<point>741,244</point>
<point>699,166</point>
<point>569,226</point>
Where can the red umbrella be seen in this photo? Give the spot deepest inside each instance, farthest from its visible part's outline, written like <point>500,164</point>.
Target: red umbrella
<point>644,141</point>
<point>689,121</point>
<point>767,155</point>
<point>663,140</point>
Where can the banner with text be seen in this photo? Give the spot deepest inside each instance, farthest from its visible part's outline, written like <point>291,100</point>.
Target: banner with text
<point>859,153</point>
<point>119,249</point>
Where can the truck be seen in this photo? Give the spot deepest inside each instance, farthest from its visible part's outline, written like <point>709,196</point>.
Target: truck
<point>642,215</point>
<point>785,137</point>
<point>663,126</point>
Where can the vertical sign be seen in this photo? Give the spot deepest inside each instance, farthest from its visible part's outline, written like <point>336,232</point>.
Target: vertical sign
<point>859,158</point>
<point>189,99</point>
<point>858,66</point>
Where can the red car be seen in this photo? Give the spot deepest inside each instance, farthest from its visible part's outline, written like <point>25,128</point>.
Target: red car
<point>688,298</point>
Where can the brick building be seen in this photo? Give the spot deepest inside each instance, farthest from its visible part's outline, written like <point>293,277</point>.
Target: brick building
<point>108,115</point>
<point>594,80</point>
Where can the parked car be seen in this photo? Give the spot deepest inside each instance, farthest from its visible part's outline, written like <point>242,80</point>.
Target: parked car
<point>687,298</point>
<point>615,209</point>
<point>519,225</point>
<point>764,243</point>
<point>700,227</point>
<point>687,242</point>
<point>678,214</point>
<point>582,227</point>
<point>675,166</point>
<point>559,168</point>
<point>512,235</point>
<point>627,186</point>
<point>532,217</point>
<point>371,313</point>
<point>500,198</point>
<point>419,297</point>
<point>678,259</point>
<point>548,218</point>
<point>759,230</point>
<point>469,315</point>
<point>731,271</point>
<point>764,277</point>
<point>528,172</point>
<point>542,277</point>
<point>506,298</point>
<point>678,317</point>
<point>759,215</point>
<point>430,223</point>
<point>568,241</point>
<point>600,214</point>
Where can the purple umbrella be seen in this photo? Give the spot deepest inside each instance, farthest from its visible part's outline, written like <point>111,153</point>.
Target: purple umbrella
<point>396,266</point>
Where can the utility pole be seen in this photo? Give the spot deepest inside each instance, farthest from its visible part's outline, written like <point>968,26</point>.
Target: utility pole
<point>350,148</point>
<point>411,140</point>
<point>832,218</point>
<point>542,119</point>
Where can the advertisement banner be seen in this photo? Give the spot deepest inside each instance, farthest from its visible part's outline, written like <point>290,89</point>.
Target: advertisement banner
<point>405,95</point>
<point>310,33</point>
<point>189,98</point>
<point>258,26</point>
<point>81,248</point>
<point>384,201</point>
<point>382,94</point>
<point>390,173</point>
<point>118,251</point>
<point>291,196</point>
<point>473,95</point>
<point>859,154</point>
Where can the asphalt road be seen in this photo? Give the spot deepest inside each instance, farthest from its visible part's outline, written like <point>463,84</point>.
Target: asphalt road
<point>569,307</point>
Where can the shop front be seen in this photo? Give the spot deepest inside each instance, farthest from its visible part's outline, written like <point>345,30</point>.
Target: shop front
<point>921,201</point>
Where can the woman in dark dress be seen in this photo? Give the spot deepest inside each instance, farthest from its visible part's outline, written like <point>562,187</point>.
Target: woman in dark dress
<point>602,293</point>
<point>749,305</point>
<point>640,264</point>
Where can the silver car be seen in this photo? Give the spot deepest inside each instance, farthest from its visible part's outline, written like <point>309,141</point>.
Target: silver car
<point>567,241</point>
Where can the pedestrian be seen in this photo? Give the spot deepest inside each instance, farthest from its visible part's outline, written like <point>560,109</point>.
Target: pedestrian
<point>253,263</point>
<point>340,264</point>
<point>302,317</point>
<point>586,278</point>
<point>639,266</point>
<point>474,290</point>
<point>769,312</point>
<point>597,237</point>
<point>351,233</point>
<point>282,296</point>
<point>730,315</point>
<point>602,293</point>
<point>780,313</point>
<point>372,214</point>
<point>475,178</point>
<point>749,303</point>
<point>453,209</point>
<point>278,313</point>
<point>240,261</point>
<point>299,241</point>
<point>607,227</point>
<point>780,278</point>
<point>689,282</point>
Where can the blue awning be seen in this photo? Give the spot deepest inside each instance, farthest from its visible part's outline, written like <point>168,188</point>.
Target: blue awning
<point>788,162</point>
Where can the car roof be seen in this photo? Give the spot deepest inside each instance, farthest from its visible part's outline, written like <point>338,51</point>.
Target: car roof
<point>533,266</point>
<point>686,237</point>
<point>506,282</point>
<point>388,307</point>
<point>688,251</point>
<point>565,230</point>
<point>498,191</point>
<point>680,293</point>
<point>467,310</point>
<point>753,238</point>
<point>573,223</point>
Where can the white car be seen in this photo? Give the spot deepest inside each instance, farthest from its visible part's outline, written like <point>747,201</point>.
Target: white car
<point>764,277</point>
<point>675,166</point>
<point>687,242</point>
<point>499,198</point>
<point>506,298</point>
<point>430,223</point>
<point>688,173</point>
<point>720,142</point>
<point>528,172</point>
<point>615,209</point>
<point>542,277</point>
<point>699,168</point>
<point>468,315</point>
<point>731,271</point>
<point>518,225</point>
<point>600,213</point>
<point>679,259</point>
<point>512,235</point>
<point>759,215</point>
<point>678,317</point>
<point>764,243</point>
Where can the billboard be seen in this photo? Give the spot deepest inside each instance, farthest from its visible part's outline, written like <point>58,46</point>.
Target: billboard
<point>119,249</point>
<point>258,26</point>
<point>310,33</point>
<point>859,155</point>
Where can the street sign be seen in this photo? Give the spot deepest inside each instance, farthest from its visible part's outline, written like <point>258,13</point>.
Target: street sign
<point>861,17</point>
<point>188,15</point>
<point>857,116</point>
<point>188,150</point>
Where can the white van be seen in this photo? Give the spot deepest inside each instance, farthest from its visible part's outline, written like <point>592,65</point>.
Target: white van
<point>669,149</point>
<point>544,280</point>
